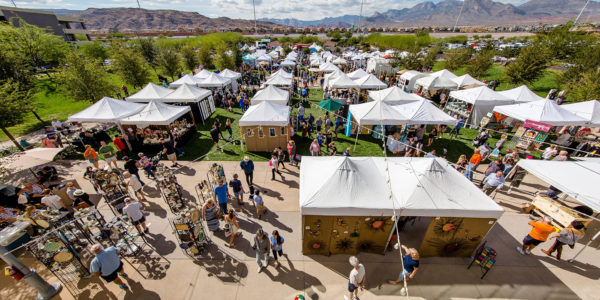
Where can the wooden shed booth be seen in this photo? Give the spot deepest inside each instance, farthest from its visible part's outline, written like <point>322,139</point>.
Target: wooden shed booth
<point>265,126</point>
<point>353,204</point>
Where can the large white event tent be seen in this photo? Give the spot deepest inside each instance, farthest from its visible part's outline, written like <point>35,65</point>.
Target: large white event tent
<point>432,83</point>
<point>230,74</point>
<point>271,94</point>
<point>204,73</point>
<point>394,95</point>
<point>357,186</point>
<point>410,78</point>
<point>483,100</point>
<point>150,92</point>
<point>327,67</point>
<point>443,73</point>
<point>283,73</point>
<point>279,80</point>
<point>339,61</point>
<point>466,80</point>
<point>288,63</point>
<point>156,113</point>
<point>357,74</point>
<point>187,79</point>
<point>342,82</point>
<point>377,113</point>
<point>266,114</point>
<point>545,111</point>
<point>589,110</point>
<point>521,94</point>
<point>214,80</point>
<point>331,76</point>
<point>186,94</point>
<point>264,58</point>
<point>424,113</point>
<point>370,82</point>
<point>107,110</point>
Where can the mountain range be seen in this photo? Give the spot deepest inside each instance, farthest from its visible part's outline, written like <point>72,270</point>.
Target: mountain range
<point>474,12</point>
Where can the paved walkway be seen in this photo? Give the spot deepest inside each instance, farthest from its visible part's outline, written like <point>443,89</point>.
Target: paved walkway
<point>165,272</point>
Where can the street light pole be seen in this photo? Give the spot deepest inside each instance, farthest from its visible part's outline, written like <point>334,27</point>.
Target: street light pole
<point>254,9</point>
<point>45,290</point>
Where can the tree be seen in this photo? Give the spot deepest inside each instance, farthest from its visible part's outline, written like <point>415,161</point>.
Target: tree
<point>585,87</point>
<point>585,59</point>
<point>13,67</point>
<point>410,61</point>
<point>529,65</point>
<point>237,55</point>
<point>167,59</point>
<point>13,98</point>
<point>455,61</point>
<point>205,56</point>
<point>481,63</point>
<point>286,50</point>
<point>95,50</point>
<point>81,79</point>
<point>131,66</point>
<point>148,50</point>
<point>190,59</point>
<point>429,59</point>
<point>222,60</point>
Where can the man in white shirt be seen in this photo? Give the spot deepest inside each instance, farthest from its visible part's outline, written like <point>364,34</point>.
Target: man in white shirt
<point>492,182</point>
<point>133,210</point>
<point>52,201</point>
<point>356,280</point>
<point>58,126</point>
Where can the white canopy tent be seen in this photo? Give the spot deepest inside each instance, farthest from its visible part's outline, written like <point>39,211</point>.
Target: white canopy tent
<point>150,92</point>
<point>331,76</point>
<point>264,58</point>
<point>377,113</point>
<point>589,110</point>
<point>288,63</point>
<point>342,82</point>
<point>266,113</point>
<point>521,94</point>
<point>394,95</point>
<point>283,73</point>
<point>230,74</point>
<point>357,186</point>
<point>357,74</point>
<point>185,94</point>
<point>432,83</point>
<point>443,73</point>
<point>410,77</point>
<point>545,111</point>
<point>107,110</point>
<point>483,100</point>
<point>466,80</point>
<point>214,80</point>
<point>380,65</point>
<point>370,82</point>
<point>204,73</point>
<point>187,79</point>
<point>423,113</point>
<point>327,67</point>
<point>271,94</point>
<point>339,61</point>
<point>156,113</point>
<point>279,80</point>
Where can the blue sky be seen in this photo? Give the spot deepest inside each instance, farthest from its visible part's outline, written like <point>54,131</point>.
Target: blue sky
<point>301,9</point>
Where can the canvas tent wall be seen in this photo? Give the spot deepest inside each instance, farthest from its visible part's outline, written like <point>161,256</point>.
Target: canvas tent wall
<point>352,192</point>
<point>271,94</point>
<point>380,65</point>
<point>199,100</point>
<point>545,111</point>
<point>150,92</point>
<point>265,126</point>
<point>483,101</point>
<point>432,83</point>
<point>409,79</point>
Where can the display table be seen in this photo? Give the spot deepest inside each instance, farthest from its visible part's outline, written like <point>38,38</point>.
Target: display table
<point>560,214</point>
<point>153,145</point>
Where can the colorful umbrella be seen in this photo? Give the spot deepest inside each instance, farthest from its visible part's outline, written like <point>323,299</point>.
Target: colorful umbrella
<point>330,105</point>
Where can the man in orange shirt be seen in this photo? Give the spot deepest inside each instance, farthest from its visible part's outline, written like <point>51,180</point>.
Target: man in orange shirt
<point>538,234</point>
<point>473,164</point>
<point>91,155</point>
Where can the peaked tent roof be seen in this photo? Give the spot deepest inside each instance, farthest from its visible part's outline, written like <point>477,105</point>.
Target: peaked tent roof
<point>342,82</point>
<point>409,75</point>
<point>521,94</point>
<point>280,80</point>
<point>156,113</point>
<point>359,73</point>
<point>230,74</point>
<point>271,94</point>
<point>370,82</point>
<point>327,67</point>
<point>443,73</point>
<point>339,61</point>
<point>288,63</point>
<point>466,80</point>
<point>150,92</point>
<point>545,111</point>
<point>107,110</point>
<point>186,93</point>
<point>589,110</point>
<point>394,95</point>
<point>481,95</point>
<point>436,83</point>
<point>376,113</point>
<point>214,80</point>
<point>203,74</point>
<point>266,113</point>
<point>264,57</point>
<point>423,112</point>
<point>356,186</point>
<point>282,72</point>
<point>187,79</point>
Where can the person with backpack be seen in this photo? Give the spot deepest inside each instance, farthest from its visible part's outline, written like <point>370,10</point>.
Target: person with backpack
<point>276,246</point>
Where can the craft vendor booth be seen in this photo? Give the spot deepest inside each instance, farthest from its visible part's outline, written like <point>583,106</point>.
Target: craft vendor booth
<point>265,126</point>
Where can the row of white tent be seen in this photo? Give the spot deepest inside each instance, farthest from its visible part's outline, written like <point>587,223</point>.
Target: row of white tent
<point>358,79</point>
<point>208,79</point>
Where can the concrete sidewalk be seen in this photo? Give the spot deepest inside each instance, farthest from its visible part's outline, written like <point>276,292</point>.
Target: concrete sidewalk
<point>165,272</point>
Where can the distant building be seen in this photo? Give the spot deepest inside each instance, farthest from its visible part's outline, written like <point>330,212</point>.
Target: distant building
<point>61,25</point>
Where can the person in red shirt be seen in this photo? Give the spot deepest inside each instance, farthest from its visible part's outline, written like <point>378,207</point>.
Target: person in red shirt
<point>120,145</point>
<point>473,164</point>
<point>541,229</point>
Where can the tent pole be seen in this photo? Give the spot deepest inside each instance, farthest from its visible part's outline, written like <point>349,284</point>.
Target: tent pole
<point>391,234</point>
<point>356,140</point>
<point>241,139</point>
<point>585,246</point>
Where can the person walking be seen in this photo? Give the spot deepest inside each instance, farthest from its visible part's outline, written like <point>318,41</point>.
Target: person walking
<point>133,210</point>
<point>291,147</point>
<point>456,130</point>
<point>473,164</point>
<point>135,184</point>
<point>248,166</point>
<point>356,280</point>
<point>493,182</point>
<point>169,150</point>
<point>91,155</point>
<point>315,148</point>
<point>214,135</point>
<point>541,229</point>
<point>238,189</point>
<point>274,166</point>
<point>233,227</point>
<point>280,157</point>
<point>261,246</point>
<point>410,261</point>
<point>109,154</point>
<point>276,246</point>
<point>118,142</point>
<point>221,194</point>
<point>210,215</point>
<point>259,204</point>
<point>432,134</point>
<point>567,236</point>
<point>146,164</point>
<point>108,265</point>
<point>229,129</point>
<point>132,167</point>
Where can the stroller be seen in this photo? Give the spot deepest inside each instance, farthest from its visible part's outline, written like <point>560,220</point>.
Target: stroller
<point>46,173</point>
<point>481,139</point>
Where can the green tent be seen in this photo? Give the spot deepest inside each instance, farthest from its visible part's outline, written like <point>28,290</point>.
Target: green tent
<point>330,105</point>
